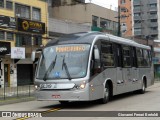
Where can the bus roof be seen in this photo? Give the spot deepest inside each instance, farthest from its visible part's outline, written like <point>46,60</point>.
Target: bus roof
<point>89,37</point>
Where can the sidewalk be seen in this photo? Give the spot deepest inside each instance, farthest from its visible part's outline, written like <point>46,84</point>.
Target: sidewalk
<point>10,95</point>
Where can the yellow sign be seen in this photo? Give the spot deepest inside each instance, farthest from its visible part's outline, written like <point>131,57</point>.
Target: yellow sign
<point>70,48</point>
<point>30,26</point>
<point>25,25</point>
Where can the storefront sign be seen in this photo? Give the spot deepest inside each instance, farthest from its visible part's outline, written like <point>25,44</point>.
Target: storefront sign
<point>30,26</point>
<point>18,53</point>
<point>5,48</point>
<point>7,22</point>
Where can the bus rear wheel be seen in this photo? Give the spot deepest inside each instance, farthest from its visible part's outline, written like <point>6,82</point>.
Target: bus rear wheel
<point>105,99</point>
<point>143,89</point>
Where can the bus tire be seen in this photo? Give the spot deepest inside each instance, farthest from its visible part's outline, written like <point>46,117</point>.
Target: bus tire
<point>143,89</point>
<point>64,102</point>
<point>106,96</point>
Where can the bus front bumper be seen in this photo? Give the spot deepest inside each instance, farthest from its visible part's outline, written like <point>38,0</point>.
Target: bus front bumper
<point>76,95</point>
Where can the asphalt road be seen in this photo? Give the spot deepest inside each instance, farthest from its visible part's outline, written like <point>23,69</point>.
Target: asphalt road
<point>132,104</point>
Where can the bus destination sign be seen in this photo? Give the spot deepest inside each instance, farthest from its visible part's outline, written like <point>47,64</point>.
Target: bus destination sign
<point>70,48</point>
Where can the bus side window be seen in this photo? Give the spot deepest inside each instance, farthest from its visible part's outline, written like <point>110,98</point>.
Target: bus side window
<point>139,57</point>
<point>126,56</point>
<point>107,54</point>
<point>118,55</point>
<point>146,59</point>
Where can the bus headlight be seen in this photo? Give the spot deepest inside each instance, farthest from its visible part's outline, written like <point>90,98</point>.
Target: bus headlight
<point>36,87</point>
<point>82,86</point>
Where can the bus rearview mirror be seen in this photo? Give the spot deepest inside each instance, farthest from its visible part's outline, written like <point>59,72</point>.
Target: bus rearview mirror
<point>96,54</point>
<point>33,56</point>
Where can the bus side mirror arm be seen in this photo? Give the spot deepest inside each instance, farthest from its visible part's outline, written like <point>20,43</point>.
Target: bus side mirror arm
<point>33,55</point>
<point>97,57</point>
<point>96,54</point>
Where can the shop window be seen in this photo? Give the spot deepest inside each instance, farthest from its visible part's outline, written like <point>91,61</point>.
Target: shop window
<point>37,40</point>
<point>2,35</point>
<point>36,14</point>
<point>1,3</point>
<point>9,5</point>
<point>10,36</point>
<point>22,11</point>
<point>23,40</point>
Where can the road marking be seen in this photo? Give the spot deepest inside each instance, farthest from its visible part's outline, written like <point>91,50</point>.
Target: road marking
<point>44,112</point>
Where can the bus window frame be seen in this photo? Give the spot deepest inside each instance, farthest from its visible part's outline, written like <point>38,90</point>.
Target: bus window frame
<point>127,56</point>
<point>113,54</point>
<point>149,57</point>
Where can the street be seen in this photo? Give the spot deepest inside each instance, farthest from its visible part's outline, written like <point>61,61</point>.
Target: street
<point>125,102</point>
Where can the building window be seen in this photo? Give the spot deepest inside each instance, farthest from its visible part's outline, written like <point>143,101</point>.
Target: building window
<point>104,23</point>
<point>37,40</point>
<point>2,35</point>
<point>137,14</point>
<point>36,14</point>
<point>123,9</point>
<point>153,13</point>
<point>95,21</point>
<point>9,5</point>
<point>153,20</point>
<point>123,1</point>
<point>153,5</point>
<point>22,11</point>
<point>10,36</point>
<point>154,28</point>
<point>1,3</point>
<point>23,40</point>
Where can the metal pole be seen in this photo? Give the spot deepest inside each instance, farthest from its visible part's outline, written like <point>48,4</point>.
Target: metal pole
<point>119,24</point>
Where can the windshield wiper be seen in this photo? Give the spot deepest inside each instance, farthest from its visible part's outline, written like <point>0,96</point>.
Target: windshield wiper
<point>66,68</point>
<point>50,69</point>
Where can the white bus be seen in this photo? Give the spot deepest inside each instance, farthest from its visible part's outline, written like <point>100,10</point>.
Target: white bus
<point>91,66</point>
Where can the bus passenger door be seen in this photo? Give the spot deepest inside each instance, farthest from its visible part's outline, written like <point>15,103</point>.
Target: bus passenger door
<point>127,68</point>
<point>119,80</point>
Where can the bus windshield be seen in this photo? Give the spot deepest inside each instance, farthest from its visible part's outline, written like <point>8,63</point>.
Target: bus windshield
<point>63,62</point>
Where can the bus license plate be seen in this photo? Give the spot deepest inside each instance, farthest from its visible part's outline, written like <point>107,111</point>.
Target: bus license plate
<point>56,96</point>
<point>45,86</point>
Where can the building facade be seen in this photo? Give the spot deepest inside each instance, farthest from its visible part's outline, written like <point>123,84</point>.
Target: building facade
<point>87,16</point>
<point>125,7</point>
<point>158,10</point>
<point>145,18</point>
<point>23,27</point>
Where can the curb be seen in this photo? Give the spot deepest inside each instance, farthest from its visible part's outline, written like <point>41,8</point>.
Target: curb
<point>16,100</point>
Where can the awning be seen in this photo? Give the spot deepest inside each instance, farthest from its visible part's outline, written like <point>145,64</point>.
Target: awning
<point>25,61</point>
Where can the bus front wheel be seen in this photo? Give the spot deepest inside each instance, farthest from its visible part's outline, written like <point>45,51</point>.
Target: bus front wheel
<point>105,98</point>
